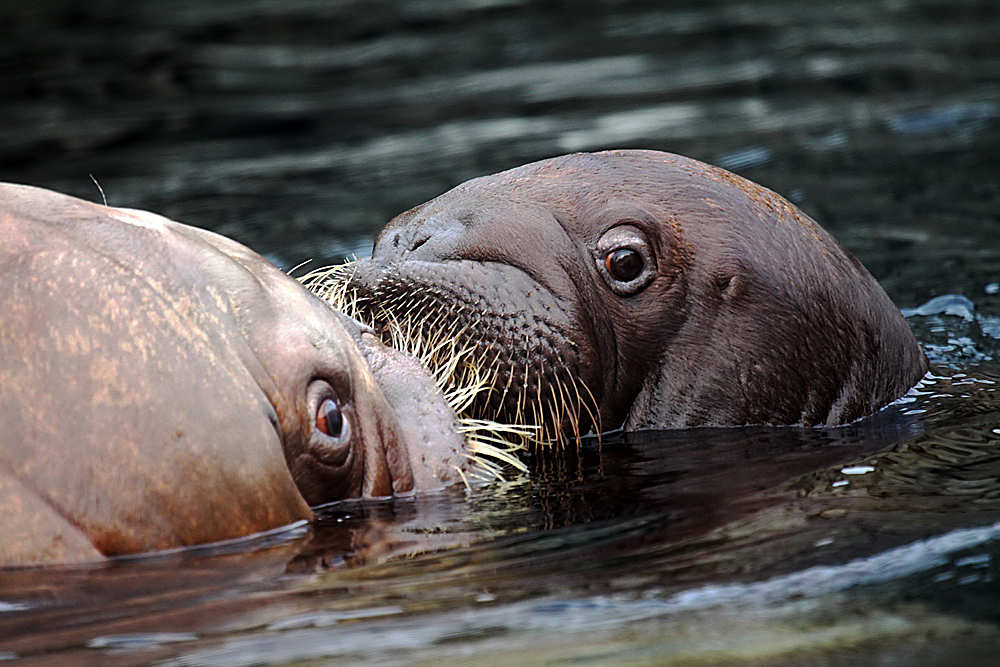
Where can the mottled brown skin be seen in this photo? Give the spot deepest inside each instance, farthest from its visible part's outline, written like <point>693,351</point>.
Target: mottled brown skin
<point>159,387</point>
<point>746,312</point>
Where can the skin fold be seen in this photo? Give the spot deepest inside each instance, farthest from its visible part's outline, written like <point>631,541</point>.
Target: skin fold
<point>163,386</point>
<point>645,290</point>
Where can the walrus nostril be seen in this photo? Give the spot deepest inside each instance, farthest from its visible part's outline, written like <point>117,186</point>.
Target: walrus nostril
<point>419,240</point>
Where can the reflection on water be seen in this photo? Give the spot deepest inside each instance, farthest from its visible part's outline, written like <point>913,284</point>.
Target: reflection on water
<point>300,127</point>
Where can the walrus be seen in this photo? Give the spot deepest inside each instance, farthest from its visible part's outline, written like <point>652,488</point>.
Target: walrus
<point>636,289</point>
<point>163,386</point>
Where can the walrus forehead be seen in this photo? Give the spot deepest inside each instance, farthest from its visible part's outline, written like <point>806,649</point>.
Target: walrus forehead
<point>291,336</point>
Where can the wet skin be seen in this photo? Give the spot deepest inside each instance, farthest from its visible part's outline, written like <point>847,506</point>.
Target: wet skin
<point>163,386</point>
<point>651,291</point>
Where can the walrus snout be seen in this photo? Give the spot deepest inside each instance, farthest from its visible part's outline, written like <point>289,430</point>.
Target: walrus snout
<point>515,334</point>
<point>420,235</point>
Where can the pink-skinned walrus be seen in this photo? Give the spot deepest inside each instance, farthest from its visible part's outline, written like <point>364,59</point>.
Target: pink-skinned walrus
<point>163,386</point>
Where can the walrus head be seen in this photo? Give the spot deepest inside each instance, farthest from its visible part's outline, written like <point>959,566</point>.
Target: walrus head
<point>161,385</point>
<point>635,288</point>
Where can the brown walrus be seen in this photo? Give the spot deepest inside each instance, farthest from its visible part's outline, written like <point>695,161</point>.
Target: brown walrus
<point>162,386</point>
<point>642,289</point>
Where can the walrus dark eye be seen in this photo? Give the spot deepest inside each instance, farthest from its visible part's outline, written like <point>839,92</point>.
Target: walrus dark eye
<point>329,419</point>
<point>626,260</point>
<point>624,264</point>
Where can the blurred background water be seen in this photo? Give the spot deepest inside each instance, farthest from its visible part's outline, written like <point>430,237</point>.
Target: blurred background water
<point>299,127</point>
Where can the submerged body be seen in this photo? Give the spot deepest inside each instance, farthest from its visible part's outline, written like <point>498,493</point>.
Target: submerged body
<point>162,386</point>
<point>641,289</point>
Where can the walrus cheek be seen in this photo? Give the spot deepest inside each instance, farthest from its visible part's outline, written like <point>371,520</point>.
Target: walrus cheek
<point>422,448</point>
<point>322,479</point>
<point>379,445</point>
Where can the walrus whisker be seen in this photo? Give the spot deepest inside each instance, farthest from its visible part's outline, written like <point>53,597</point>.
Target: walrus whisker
<point>574,413</point>
<point>506,388</point>
<point>460,398</point>
<point>298,266</point>
<point>434,353</point>
<point>482,428</point>
<point>483,441</point>
<point>536,419</point>
<point>445,359</point>
<point>568,411</point>
<point>432,337</point>
<point>496,427</point>
<point>103,196</point>
<point>483,450</point>
<point>594,418</point>
<point>565,413</point>
<point>543,404</point>
<point>521,406</point>
<point>461,474</point>
<point>553,409</point>
<point>490,469</point>
<point>493,379</point>
<point>580,405</point>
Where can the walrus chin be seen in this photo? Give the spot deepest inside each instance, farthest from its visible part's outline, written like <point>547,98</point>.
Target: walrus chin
<point>632,288</point>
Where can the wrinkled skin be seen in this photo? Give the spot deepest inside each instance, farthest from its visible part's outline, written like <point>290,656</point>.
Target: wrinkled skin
<point>160,386</point>
<point>742,309</point>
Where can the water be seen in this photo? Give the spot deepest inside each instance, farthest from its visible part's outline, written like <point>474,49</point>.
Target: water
<point>745,543</point>
<point>300,127</point>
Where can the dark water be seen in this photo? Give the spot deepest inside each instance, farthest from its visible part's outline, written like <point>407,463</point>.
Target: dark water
<point>300,127</point>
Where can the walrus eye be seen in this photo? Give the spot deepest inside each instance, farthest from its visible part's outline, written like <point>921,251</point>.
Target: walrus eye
<point>624,264</point>
<point>625,260</point>
<point>330,435</point>
<point>329,419</point>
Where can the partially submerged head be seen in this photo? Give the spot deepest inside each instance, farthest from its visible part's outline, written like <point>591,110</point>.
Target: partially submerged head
<point>161,385</point>
<point>638,288</point>
<point>356,419</point>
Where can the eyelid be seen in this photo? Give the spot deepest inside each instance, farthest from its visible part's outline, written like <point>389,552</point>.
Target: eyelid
<point>337,377</point>
<point>626,236</point>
